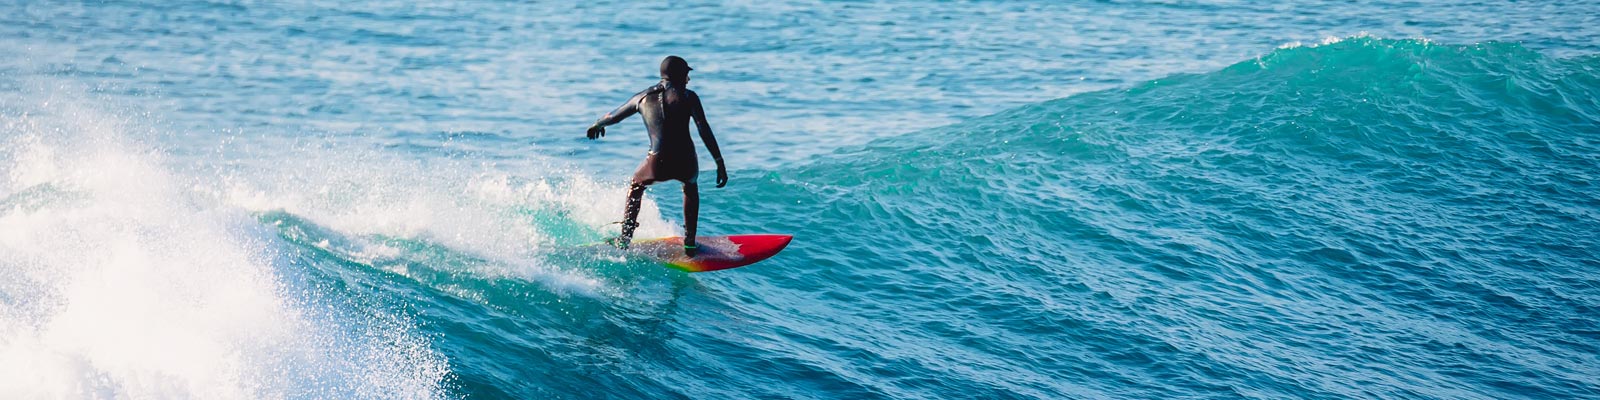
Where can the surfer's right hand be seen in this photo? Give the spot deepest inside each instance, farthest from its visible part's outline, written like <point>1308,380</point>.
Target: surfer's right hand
<point>596,132</point>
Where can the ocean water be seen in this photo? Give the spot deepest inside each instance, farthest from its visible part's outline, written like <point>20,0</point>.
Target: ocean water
<point>1033,200</point>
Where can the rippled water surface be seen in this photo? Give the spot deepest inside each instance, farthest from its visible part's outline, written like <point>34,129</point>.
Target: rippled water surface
<point>990,200</point>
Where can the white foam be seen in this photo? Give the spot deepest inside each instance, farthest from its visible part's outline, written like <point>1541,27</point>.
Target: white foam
<point>124,283</point>
<point>474,210</point>
<point>1327,40</point>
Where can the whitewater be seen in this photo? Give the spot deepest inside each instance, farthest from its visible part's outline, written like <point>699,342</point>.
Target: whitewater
<point>989,200</point>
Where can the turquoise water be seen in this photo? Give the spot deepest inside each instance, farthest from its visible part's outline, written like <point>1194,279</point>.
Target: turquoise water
<point>990,200</point>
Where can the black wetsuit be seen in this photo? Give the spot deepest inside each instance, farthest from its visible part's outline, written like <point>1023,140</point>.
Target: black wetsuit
<point>666,109</point>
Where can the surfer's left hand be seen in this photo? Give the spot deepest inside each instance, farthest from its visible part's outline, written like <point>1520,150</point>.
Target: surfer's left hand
<point>722,176</point>
<point>596,132</point>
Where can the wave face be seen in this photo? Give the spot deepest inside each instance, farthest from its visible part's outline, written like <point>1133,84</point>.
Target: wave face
<point>1366,218</point>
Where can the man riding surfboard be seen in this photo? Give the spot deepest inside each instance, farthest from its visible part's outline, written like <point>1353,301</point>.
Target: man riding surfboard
<point>666,109</point>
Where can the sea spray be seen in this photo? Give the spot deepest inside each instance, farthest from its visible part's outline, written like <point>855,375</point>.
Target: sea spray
<point>121,281</point>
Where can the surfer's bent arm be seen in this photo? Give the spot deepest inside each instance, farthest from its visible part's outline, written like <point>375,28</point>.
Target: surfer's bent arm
<point>621,113</point>
<point>699,115</point>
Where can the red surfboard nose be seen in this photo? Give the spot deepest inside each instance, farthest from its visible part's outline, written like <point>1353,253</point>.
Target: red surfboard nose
<point>751,249</point>
<point>749,245</point>
<point>715,252</point>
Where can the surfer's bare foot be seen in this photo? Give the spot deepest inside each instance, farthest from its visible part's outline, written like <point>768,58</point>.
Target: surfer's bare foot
<point>689,249</point>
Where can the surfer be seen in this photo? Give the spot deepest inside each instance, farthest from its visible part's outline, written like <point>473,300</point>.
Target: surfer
<point>666,109</point>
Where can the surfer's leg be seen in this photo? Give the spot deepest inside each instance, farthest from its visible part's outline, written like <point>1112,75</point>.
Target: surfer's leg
<point>644,176</point>
<point>691,216</point>
<point>630,215</point>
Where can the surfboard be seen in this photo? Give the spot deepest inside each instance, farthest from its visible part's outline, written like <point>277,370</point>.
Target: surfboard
<point>716,252</point>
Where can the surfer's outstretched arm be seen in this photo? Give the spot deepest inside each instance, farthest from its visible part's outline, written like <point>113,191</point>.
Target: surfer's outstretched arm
<point>621,113</point>
<point>699,114</point>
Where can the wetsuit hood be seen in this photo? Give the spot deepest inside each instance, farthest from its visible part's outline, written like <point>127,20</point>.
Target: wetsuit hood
<point>674,68</point>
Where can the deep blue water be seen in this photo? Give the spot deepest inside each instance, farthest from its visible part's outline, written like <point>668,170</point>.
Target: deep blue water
<point>990,200</point>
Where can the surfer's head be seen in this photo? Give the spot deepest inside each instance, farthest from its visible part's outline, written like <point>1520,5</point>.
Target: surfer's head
<point>674,68</point>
